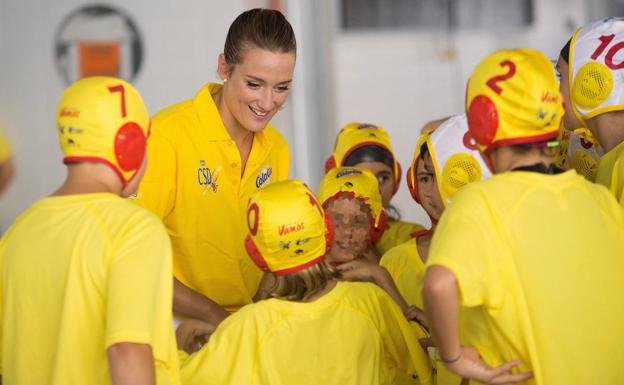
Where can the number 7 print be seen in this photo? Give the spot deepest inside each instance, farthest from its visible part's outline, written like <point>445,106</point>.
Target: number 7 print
<point>120,88</point>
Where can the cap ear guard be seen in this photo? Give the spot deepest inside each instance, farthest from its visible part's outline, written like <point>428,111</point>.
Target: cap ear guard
<point>459,170</point>
<point>130,142</point>
<point>330,231</point>
<point>592,85</point>
<point>330,163</point>
<point>412,184</point>
<point>398,173</point>
<point>250,246</point>
<point>255,254</point>
<point>482,120</point>
<point>378,231</point>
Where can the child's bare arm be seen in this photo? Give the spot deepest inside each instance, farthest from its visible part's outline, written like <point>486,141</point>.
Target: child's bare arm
<point>363,270</point>
<point>192,334</point>
<point>190,303</point>
<point>131,364</point>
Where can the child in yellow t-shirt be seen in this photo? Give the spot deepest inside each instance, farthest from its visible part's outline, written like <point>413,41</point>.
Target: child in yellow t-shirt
<point>368,146</point>
<point>514,249</point>
<point>444,162</point>
<point>314,329</point>
<point>86,286</point>
<point>350,196</point>
<point>591,83</point>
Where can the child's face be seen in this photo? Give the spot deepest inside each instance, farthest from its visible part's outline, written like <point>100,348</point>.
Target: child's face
<point>385,178</point>
<point>352,229</point>
<point>428,192</point>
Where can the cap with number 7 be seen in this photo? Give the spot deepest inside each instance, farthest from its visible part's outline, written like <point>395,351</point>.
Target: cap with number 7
<point>513,97</point>
<point>103,119</point>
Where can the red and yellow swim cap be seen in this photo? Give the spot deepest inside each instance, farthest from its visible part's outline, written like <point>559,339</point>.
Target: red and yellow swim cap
<point>103,119</point>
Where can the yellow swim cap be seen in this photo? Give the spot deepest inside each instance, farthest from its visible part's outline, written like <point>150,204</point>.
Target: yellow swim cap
<point>360,184</point>
<point>357,135</point>
<point>287,230</point>
<point>103,119</point>
<point>595,61</point>
<point>512,98</point>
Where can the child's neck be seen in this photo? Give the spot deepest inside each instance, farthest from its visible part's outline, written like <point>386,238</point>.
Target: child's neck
<point>422,244</point>
<point>86,178</point>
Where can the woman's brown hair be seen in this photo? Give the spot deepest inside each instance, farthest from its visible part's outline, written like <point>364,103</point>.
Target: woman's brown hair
<point>261,28</point>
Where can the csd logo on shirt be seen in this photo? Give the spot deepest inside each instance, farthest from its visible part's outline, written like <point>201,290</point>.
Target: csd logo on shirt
<point>206,178</point>
<point>264,177</point>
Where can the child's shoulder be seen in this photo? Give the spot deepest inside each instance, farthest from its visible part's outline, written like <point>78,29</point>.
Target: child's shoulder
<point>123,216</point>
<point>364,294</point>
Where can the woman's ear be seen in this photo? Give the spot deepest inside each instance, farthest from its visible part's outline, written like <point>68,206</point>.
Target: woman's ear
<point>223,68</point>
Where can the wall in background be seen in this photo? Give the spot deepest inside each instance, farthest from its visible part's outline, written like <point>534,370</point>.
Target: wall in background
<point>401,79</point>
<point>397,79</point>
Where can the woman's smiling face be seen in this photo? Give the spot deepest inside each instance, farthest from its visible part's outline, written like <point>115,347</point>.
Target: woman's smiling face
<point>257,87</point>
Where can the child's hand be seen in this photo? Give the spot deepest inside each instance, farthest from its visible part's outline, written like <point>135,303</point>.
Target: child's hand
<point>413,313</point>
<point>192,334</point>
<point>358,270</point>
<point>470,365</point>
<point>426,343</point>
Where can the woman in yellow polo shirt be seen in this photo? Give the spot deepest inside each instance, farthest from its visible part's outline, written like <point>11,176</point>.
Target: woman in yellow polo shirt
<point>210,153</point>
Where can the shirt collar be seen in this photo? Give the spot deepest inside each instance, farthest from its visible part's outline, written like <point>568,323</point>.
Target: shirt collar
<point>209,115</point>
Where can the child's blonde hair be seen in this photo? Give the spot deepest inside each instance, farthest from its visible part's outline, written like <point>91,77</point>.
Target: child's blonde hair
<point>303,284</point>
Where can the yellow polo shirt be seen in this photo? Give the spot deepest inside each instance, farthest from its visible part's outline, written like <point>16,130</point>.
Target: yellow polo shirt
<point>397,233</point>
<point>79,273</point>
<point>193,183</point>
<point>540,258</point>
<point>611,172</point>
<point>355,334</point>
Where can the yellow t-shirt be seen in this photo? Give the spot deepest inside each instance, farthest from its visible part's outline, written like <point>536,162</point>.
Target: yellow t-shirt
<point>407,269</point>
<point>193,183</point>
<point>397,233</point>
<point>355,334</point>
<point>540,257</point>
<point>5,148</point>
<point>611,172</point>
<point>80,273</point>
<point>404,264</point>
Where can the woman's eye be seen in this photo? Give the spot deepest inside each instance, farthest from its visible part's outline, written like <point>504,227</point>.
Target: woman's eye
<point>253,85</point>
<point>383,179</point>
<point>283,88</point>
<point>423,179</point>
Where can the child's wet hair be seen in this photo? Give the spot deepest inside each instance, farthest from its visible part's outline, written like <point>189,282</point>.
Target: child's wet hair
<point>303,284</point>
